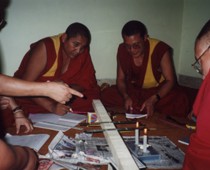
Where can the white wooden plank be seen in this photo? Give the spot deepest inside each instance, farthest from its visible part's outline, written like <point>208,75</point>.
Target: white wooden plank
<point>121,154</point>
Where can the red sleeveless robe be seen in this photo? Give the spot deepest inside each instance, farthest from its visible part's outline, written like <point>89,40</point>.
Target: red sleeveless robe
<point>175,103</point>
<point>80,71</point>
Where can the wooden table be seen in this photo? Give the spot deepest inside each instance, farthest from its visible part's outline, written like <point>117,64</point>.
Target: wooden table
<point>163,128</point>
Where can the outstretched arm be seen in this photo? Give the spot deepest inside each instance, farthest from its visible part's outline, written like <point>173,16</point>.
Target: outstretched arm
<point>55,90</point>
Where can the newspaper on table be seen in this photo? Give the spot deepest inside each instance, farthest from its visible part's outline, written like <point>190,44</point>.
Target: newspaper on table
<point>166,156</point>
<point>83,152</point>
<point>82,149</point>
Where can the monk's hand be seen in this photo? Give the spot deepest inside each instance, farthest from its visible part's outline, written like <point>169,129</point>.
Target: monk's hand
<point>128,103</point>
<point>21,120</point>
<point>190,115</point>
<point>61,92</point>
<point>4,102</point>
<point>60,109</point>
<point>149,105</point>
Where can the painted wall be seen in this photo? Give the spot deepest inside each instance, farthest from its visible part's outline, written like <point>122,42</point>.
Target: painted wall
<point>30,20</point>
<point>195,15</point>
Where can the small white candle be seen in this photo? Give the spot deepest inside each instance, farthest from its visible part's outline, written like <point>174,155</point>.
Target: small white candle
<point>145,141</point>
<point>89,118</point>
<point>137,133</point>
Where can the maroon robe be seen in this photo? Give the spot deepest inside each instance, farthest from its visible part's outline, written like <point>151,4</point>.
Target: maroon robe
<point>175,103</point>
<point>198,152</point>
<point>80,71</point>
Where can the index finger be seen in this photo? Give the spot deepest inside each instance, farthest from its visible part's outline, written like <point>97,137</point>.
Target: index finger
<point>76,93</point>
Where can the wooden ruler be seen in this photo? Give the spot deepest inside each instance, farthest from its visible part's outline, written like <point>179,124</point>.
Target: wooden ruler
<point>122,157</point>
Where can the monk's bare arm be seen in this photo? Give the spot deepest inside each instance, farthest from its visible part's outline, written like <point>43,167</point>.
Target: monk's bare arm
<point>35,66</point>
<point>36,62</point>
<point>168,73</point>
<point>121,82</point>
<point>15,87</point>
<point>128,103</point>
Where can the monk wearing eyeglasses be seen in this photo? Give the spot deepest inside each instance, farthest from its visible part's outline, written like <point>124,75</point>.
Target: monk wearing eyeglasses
<point>146,80</point>
<point>197,156</point>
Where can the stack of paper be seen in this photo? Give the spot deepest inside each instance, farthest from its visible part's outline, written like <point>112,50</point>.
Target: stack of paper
<point>56,122</point>
<point>33,141</point>
<point>135,116</point>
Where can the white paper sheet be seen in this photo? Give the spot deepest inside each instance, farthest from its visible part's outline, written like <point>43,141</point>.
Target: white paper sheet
<point>56,122</point>
<point>35,141</point>
<point>135,116</point>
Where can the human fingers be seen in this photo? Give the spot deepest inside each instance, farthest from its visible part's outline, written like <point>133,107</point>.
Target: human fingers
<point>23,121</point>
<point>76,93</point>
<point>4,98</point>
<point>190,115</point>
<point>130,108</point>
<point>10,100</point>
<point>17,128</point>
<point>60,92</point>
<point>57,91</point>
<point>126,106</point>
<point>4,106</point>
<point>61,109</point>
<point>28,127</point>
<point>67,109</point>
<point>19,122</point>
<point>129,104</point>
<point>4,103</point>
<point>150,110</point>
<point>143,107</point>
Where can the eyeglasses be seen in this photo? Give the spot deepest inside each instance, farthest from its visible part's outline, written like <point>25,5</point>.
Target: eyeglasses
<point>2,23</point>
<point>135,46</point>
<point>196,65</point>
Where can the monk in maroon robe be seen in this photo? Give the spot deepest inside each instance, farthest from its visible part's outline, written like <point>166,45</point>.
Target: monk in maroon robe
<point>65,58</point>
<point>145,75</point>
<point>197,156</point>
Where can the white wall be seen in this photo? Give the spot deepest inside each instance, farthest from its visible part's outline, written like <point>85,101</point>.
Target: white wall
<point>30,20</point>
<point>195,15</point>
